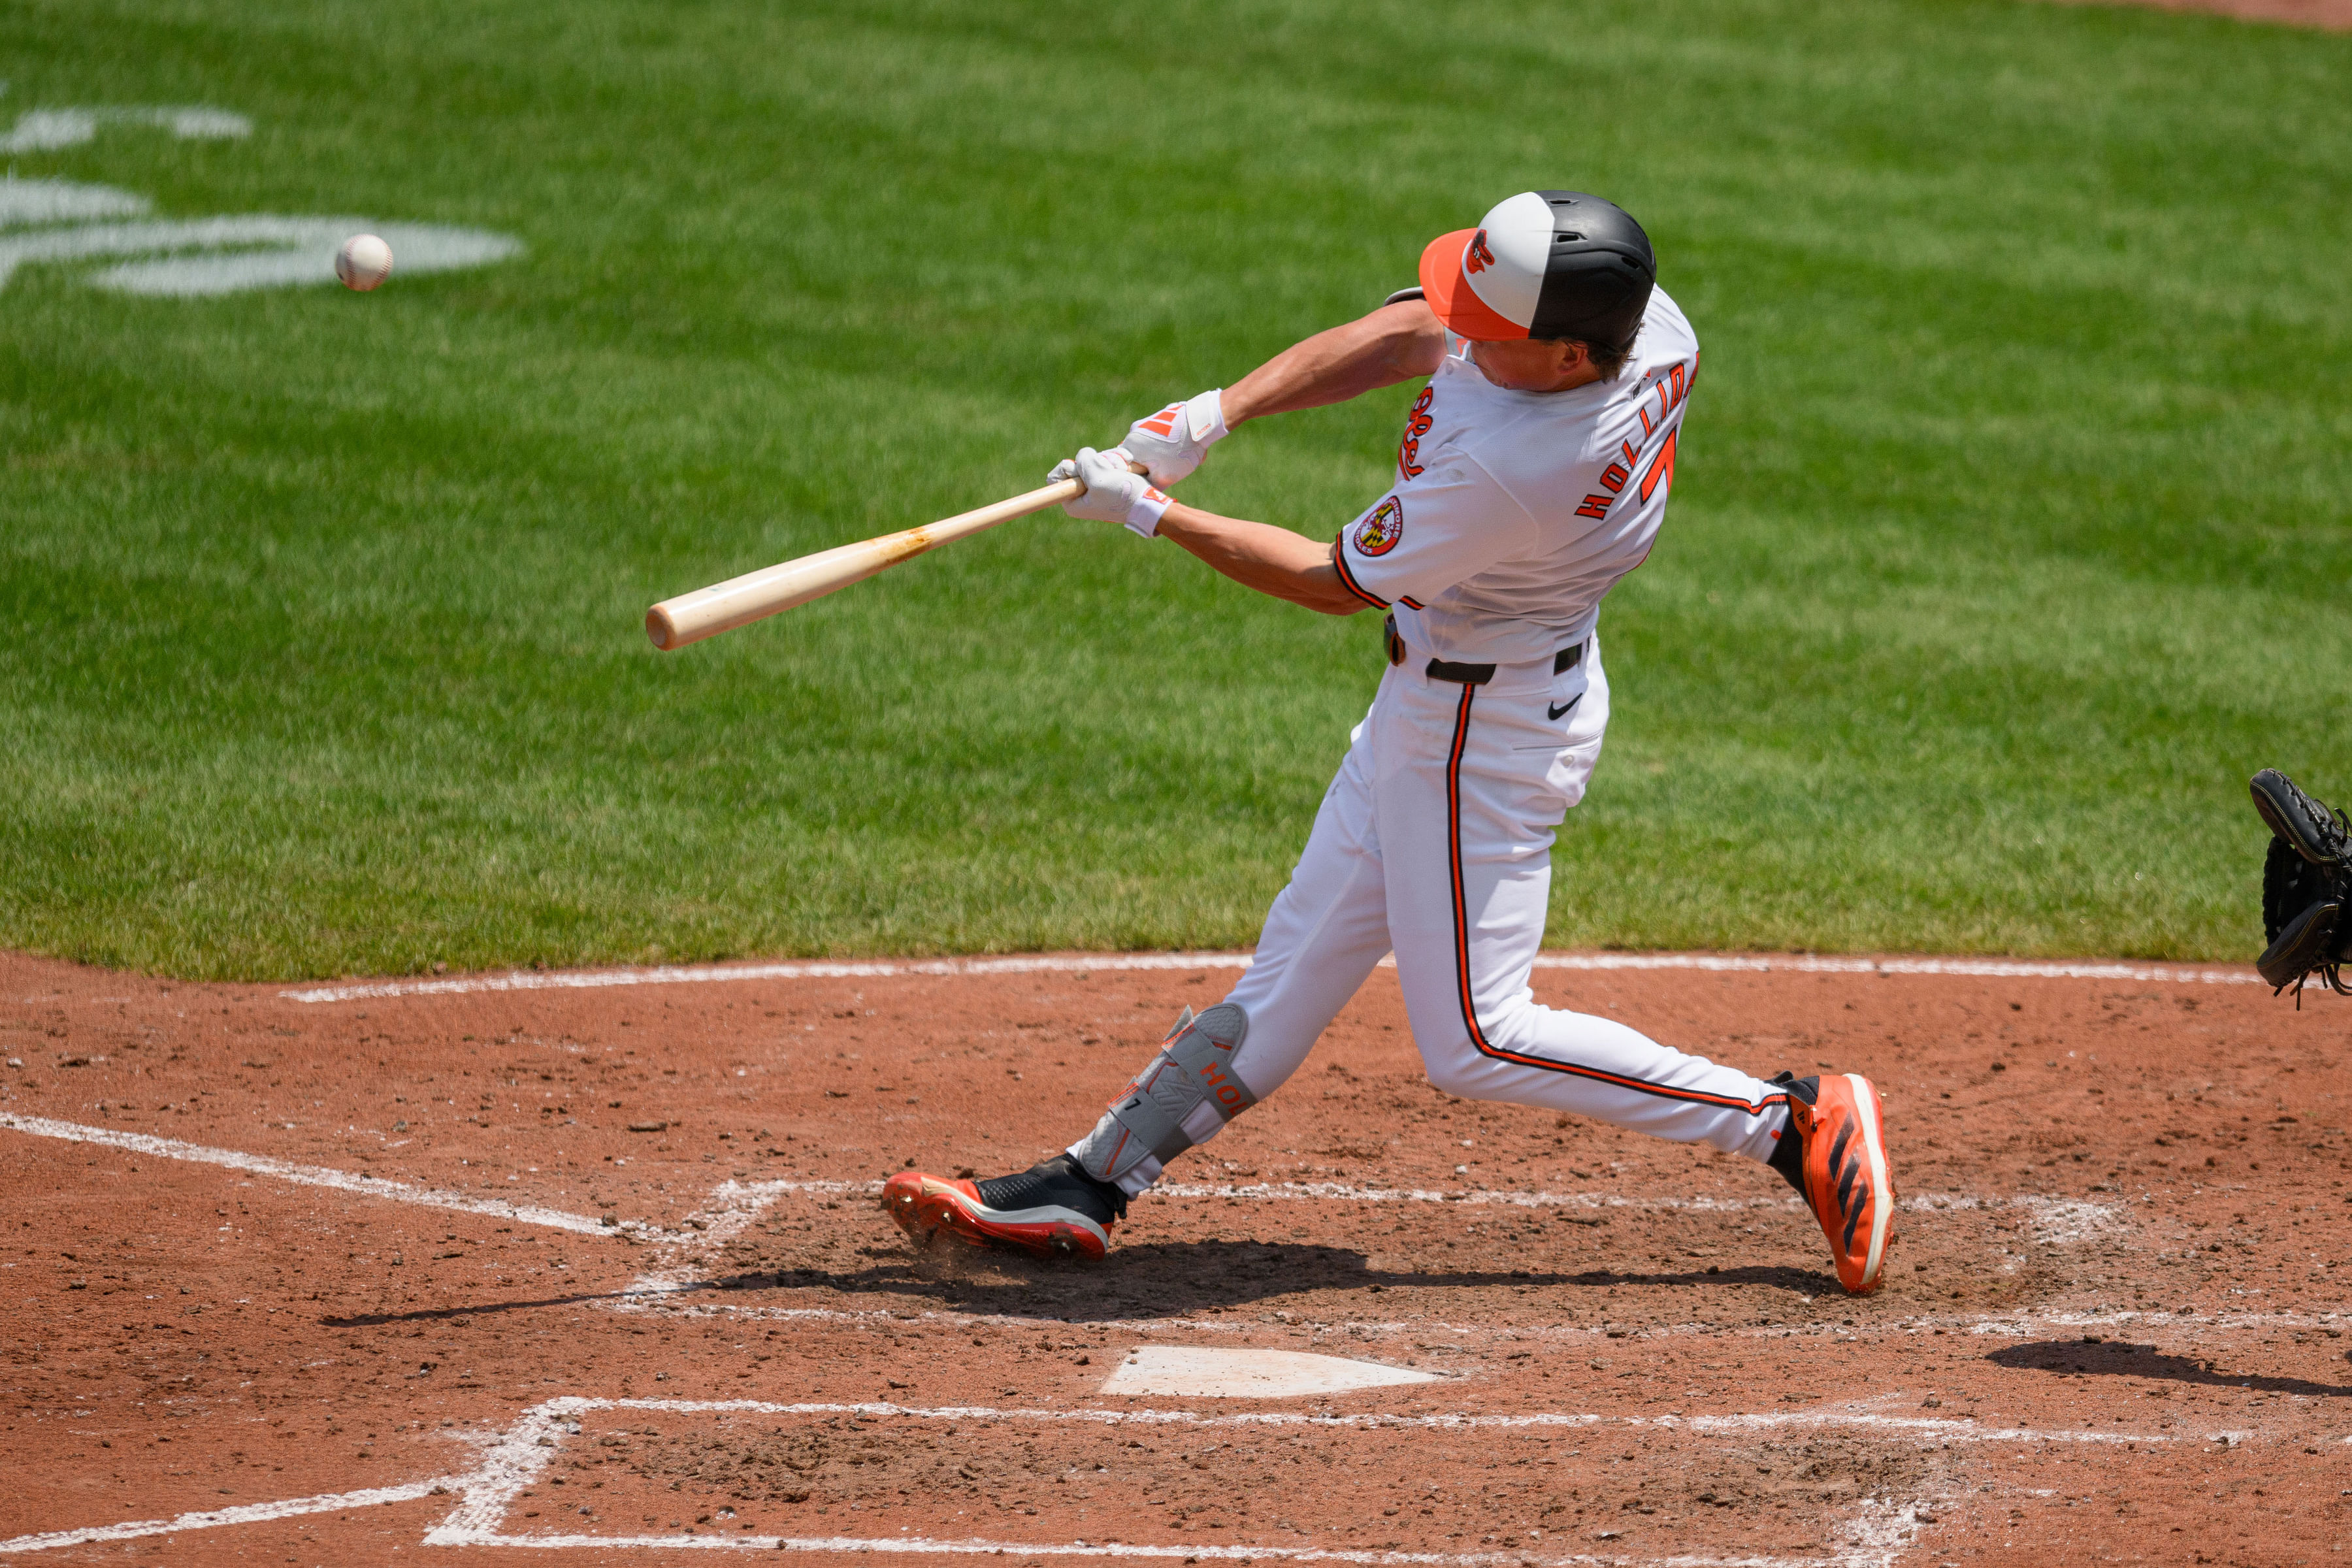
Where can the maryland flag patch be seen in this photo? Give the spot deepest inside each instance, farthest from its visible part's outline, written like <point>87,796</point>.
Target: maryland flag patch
<point>1377,534</point>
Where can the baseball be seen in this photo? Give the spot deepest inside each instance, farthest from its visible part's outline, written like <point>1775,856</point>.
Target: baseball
<point>363,262</point>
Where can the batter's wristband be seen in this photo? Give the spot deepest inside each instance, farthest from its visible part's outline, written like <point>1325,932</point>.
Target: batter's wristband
<point>1204,417</point>
<point>1144,516</point>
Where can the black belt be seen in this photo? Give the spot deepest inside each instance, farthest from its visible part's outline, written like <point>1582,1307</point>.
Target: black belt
<point>1470,674</point>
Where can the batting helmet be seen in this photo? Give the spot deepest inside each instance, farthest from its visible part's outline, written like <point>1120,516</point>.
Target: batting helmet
<point>1543,264</point>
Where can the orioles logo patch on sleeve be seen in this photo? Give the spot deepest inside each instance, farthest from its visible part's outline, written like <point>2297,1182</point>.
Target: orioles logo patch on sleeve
<point>1377,534</point>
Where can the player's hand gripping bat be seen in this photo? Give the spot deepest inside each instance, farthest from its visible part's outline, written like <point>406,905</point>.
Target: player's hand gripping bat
<point>738,601</point>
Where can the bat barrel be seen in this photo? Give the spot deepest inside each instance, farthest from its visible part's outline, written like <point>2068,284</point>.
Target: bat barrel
<point>738,601</point>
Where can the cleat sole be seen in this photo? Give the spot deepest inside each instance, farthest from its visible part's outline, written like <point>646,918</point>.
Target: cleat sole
<point>926,1208</point>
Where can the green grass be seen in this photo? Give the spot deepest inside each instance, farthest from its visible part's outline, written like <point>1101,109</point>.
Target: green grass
<point>2010,532</point>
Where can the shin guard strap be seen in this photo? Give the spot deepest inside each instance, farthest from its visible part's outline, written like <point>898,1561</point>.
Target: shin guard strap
<point>1188,1091</point>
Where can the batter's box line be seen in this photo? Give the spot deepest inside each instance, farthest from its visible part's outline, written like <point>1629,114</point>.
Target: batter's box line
<point>509,1464</point>
<point>677,1269</point>
<point>733,1205</point>
<point>325,1177</point>
<point>1112,963</point>
<point>221,1517</point>
<point>2007,1325</point>
<point>2080,1213</point>
<point>1469,1334</point>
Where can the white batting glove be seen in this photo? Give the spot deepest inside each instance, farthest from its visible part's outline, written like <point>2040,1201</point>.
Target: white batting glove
<point>1171,443</point>
<point>1115,492</point>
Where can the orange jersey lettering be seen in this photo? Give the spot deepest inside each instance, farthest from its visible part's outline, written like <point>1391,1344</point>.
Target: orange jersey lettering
<point>1416,426</point>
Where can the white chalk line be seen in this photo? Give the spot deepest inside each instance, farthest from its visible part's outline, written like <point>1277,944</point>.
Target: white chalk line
<point>733,1205</point>
<point>2079,1217</point>
<point>517,1458</point>
<point>241,251</point>
<point>30,201</point>
<point>317,1176</point>
<point>1981,968</point>
<point>214,1519</point>
<point>1462,1198</point>
<point>676,1268</point>
<point>485,1493</point>
<point>924,1546</point>
<point>50,129</point>
<point>1083,963</point>
<point>728,1211</point>
<point>594,979</point>
<point>511,1465</point>
<point>1338,1333</point>
<point>2020,1324</point>
<point>569,1407</point>
<point>1342,1192</point>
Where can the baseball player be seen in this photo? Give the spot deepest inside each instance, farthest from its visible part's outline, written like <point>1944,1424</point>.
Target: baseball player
<point>1532,474</point>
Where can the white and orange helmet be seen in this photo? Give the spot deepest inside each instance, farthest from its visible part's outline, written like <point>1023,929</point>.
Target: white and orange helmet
<point>1543,264</point>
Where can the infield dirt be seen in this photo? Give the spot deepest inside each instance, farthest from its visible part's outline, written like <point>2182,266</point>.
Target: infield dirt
<point>2112,1329</point>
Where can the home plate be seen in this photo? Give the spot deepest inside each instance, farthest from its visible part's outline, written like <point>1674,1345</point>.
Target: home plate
<point>1248,1374</point>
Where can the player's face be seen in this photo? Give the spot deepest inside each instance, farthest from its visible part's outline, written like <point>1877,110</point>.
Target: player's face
<point>1532,364</point>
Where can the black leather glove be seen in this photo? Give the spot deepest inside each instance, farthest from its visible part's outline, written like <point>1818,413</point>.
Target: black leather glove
<point>2306,883</point>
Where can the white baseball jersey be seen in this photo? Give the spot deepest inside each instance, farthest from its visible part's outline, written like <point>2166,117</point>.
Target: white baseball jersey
<point>1512,513</point>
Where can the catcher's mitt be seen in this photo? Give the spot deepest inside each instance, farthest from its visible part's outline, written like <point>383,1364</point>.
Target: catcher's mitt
<point>2307,886</point>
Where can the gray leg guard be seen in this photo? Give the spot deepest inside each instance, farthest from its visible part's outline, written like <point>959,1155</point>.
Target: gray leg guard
<point>1187,1093</point>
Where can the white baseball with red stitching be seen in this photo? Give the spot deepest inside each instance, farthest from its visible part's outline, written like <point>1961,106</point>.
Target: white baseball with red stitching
<point>363,262</point>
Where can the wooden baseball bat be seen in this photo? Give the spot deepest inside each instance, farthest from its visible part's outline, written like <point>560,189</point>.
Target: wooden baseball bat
<point>738,601</point>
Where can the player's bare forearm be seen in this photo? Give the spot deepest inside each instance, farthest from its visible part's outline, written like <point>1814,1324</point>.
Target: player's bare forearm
<point>1394,343</point>
<point>1261,556</point>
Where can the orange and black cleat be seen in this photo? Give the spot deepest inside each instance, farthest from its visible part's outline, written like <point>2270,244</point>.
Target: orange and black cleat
<point>1834,1154</point>
<point>1050,1210</point>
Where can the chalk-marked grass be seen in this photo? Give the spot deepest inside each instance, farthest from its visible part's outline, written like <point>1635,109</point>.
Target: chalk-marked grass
<point>50,129</point>
<point>203,257</point>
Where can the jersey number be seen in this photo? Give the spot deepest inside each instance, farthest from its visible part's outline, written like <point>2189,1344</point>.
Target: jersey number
<point>1661,472</point>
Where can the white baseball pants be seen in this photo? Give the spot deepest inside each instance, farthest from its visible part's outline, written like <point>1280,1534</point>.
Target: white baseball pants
<point>1435,841</point>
